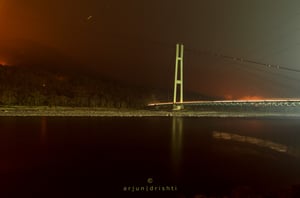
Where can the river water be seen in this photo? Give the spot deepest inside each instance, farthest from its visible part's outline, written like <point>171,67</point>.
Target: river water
<point>157,156</point>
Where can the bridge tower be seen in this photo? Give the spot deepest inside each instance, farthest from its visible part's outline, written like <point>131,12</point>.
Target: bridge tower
<point>178,80</point>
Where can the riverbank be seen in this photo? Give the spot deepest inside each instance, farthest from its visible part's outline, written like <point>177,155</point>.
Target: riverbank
<point>107,112</point>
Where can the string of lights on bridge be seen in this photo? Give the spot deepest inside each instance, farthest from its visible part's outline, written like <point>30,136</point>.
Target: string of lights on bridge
<point>241,60</point>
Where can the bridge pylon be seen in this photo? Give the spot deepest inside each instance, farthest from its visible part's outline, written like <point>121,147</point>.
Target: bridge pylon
<point>178,80</point>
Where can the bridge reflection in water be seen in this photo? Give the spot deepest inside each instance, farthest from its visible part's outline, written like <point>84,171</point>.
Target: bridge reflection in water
<point>176,146</point>
<point>43,130</point>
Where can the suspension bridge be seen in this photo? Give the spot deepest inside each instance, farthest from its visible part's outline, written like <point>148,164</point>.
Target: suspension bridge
<point>257,105</point>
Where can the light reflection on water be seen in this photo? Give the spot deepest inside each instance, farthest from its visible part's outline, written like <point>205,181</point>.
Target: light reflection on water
<point>293,151</point>
<point>251,140</point>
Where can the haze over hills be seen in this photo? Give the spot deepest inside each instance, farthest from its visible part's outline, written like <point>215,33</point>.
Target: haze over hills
<point>27,53</point>
<point>41,75</point>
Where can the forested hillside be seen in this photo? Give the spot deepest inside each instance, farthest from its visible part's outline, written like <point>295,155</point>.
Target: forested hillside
<point>25,86</point>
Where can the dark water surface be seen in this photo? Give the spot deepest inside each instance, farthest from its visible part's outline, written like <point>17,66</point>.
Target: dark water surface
<point>111,157</point>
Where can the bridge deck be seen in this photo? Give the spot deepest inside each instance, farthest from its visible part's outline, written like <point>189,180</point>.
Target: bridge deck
<point>270,105</point>
<point>224,102</point>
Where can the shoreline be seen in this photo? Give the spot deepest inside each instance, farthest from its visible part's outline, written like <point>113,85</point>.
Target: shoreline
<point>25,111</point>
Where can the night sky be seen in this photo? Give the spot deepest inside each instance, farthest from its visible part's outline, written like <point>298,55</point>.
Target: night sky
<point>134,41</point>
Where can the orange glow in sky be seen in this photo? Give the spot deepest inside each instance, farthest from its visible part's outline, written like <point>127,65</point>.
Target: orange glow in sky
<point>1,3</point>
<point>231,97</point>
<point>252,98</point>
<point>3,63</point>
